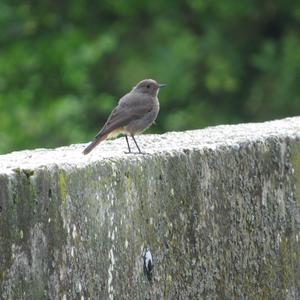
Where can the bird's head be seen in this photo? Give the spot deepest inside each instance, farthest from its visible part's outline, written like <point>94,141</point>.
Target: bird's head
<point>148,86</point>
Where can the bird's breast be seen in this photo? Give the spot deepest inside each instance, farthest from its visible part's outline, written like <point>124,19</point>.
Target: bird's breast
<point>141,124</point>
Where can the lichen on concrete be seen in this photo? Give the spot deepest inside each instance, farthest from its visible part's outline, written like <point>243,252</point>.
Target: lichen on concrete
<point>218,208</point>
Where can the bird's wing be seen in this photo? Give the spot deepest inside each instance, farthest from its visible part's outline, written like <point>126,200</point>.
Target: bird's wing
<point>131,107</point>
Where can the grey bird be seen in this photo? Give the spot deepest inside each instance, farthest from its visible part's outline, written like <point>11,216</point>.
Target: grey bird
<point>135,112</point>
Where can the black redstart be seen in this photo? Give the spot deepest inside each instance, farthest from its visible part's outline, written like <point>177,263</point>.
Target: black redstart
<point>135,112</point>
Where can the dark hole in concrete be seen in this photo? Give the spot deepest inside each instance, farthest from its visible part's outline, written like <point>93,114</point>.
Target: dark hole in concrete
<point>28,173</point>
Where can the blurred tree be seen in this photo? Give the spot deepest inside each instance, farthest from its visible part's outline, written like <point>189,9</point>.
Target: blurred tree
<point>64,64</point>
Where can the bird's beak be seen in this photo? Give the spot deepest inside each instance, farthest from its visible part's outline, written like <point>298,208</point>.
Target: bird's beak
<point>162,85</point>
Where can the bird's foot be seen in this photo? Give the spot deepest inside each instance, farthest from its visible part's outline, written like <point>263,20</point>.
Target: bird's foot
<point>142,153</point>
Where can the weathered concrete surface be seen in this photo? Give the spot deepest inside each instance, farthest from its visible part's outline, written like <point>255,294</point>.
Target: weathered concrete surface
<point>219,209</point>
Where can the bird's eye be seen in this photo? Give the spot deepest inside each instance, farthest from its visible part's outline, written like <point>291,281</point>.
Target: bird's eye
<point>148,86</point>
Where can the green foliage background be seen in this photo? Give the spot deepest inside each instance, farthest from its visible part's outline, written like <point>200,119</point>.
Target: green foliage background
<point>64,64</point>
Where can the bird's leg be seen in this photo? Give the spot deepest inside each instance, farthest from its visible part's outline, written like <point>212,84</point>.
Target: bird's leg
<point>129,150</point>
<point>136,144</point>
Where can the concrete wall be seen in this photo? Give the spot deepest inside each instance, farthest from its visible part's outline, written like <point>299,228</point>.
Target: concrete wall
<point>218,208</point>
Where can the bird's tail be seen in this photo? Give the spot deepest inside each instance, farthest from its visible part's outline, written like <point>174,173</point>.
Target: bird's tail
<point>94,143</point>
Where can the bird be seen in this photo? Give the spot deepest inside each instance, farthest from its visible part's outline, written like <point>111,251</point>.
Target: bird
<point>135,112</point>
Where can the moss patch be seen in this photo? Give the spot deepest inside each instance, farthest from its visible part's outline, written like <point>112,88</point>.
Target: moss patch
<point>296,164</point>
<point>62,186</point>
